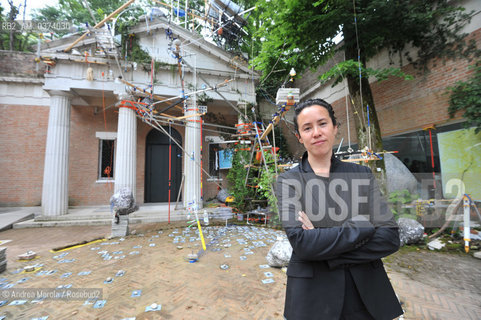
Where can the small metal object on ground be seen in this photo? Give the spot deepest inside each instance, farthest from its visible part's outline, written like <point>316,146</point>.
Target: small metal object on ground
<point>192,257</point>
<point>29,268</point>
<point>29,255</point>
<point>153,307</point>
<point>136,293</point>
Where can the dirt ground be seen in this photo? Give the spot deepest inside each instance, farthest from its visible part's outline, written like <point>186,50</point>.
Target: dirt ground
<point>227,282</point>
<point>152,263</point>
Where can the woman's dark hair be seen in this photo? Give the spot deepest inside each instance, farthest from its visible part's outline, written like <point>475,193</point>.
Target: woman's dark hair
<point>314,102</point>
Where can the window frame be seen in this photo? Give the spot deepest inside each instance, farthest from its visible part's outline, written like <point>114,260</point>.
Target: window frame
<point>105,136</point>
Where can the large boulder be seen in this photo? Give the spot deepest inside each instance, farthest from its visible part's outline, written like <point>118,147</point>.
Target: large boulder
<point>280,253</point>
<point>410,231</point>
<point>122,202</point>
<point>398,176</point>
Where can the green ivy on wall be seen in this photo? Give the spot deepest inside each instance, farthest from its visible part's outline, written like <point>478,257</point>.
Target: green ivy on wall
<point>466,97</point>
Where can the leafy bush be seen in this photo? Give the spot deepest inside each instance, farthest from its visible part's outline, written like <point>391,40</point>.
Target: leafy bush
<point>236,177</point>
<point>398,199</point>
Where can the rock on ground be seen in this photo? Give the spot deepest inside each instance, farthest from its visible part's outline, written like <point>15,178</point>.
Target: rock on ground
<point>280,254</point>
<point>123,202</point>
<point>410,231</point>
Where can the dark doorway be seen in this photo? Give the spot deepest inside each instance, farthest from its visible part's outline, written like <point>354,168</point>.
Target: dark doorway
<point>157,166</point>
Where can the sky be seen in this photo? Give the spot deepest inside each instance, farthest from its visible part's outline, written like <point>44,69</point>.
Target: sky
<point>31,4</point>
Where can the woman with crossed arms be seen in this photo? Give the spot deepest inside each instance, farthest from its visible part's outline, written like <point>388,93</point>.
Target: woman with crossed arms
<point>339,227</point>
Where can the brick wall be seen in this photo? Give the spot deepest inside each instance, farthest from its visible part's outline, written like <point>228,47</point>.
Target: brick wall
<point>23,132</point>
<point>84,153</point>
<point>83,189</point>
<point>23,136</point>
<point>19,64</point>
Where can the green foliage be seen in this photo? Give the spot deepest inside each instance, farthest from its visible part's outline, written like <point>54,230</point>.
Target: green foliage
<point>134,51</point>
<point>203,99</point>
<point>75,12</point>
<point>15,40</point>
<point>281,143</point>
<point>266,180</point>
<point>350,68</point>
<point>301,33</point>
<point>466,97</point>
<point>399,198</point>
<point>236,177</point>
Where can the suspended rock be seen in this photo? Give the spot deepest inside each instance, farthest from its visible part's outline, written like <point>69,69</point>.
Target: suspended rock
<point>280,253</point>
<point>410,231</point>
<point>123,202</point>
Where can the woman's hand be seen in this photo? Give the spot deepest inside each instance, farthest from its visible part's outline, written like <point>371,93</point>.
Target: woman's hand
<point>306,223</point>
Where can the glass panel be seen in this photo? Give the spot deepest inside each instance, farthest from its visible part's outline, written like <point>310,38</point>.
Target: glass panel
<point>213,159</point>
<point>107,159</point>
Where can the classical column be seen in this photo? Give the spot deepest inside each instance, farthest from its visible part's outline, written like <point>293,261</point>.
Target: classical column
<point>192,160</point>
<point>125,156</point>
<point>55,173</point>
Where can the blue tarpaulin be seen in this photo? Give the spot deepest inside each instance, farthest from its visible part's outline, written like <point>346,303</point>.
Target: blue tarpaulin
<point>225,159</point>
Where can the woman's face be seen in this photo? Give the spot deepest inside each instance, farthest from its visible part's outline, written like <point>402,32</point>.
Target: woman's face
<point>316,130</point>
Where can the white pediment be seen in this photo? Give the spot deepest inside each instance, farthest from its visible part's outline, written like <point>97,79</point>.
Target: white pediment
<point>194,49</point>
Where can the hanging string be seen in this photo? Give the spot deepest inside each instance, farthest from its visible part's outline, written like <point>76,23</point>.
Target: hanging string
<point>360,72</point>
<point>170,165</point>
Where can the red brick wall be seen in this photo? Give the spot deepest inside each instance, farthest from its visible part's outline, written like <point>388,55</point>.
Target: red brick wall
<point>23,136</point>
<point>23,132</point>
<point>20,64</point>
<point>404,106</point>
<point>83,189</point>
<point>84,153</point>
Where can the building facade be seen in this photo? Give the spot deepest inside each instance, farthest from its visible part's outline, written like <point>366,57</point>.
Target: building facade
<point>71,134</point>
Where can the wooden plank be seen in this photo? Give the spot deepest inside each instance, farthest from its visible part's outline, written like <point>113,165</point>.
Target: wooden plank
<point>101,23</point>
<point>190,115</point>
<point>88,61</point>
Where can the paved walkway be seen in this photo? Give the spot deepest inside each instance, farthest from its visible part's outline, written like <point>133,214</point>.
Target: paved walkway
<point>436,285</point>
<point>156,272</point>
<point>10,216</point>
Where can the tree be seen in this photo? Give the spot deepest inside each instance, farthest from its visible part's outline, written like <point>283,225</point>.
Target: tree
<point>11,18</point>
<point>77,12</point>
<point>300,34</point>
<point>12,38</point>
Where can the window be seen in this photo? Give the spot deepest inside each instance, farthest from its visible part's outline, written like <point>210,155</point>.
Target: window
<point>106,155</point>
<point>214,160</point>
<point>106,159</point>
